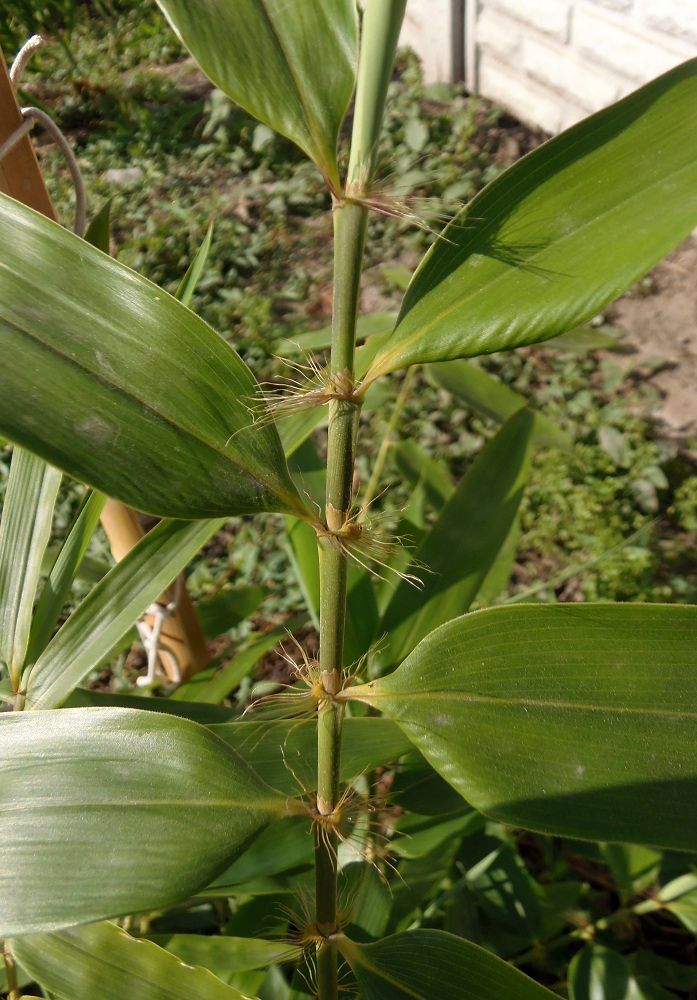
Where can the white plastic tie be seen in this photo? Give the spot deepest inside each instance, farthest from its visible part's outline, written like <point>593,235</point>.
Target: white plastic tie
<point>150,636</point>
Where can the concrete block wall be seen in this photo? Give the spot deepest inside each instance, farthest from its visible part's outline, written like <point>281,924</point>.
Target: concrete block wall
<point>552,62</point>
<point>426,29</point>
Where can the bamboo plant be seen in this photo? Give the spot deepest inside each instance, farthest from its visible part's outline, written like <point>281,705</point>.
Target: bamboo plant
<point>569,720</point>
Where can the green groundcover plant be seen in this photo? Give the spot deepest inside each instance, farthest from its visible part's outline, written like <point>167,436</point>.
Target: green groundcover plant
<point>571,720</point>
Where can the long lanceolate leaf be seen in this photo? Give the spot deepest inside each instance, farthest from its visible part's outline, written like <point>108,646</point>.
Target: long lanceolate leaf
<point>102,961</point>
<point>292,65</point>
<point>112,608</point>
<point>464,543</point>
<point>111,811</point>
<point>424,964</point>
<point>563,232</point>
<point>24,532</point>
<point>578,720</point>
<point>113,380</point>
<point>492,398</point>
<point>57,587</point>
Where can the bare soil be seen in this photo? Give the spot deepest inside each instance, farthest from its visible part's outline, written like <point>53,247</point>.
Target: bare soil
<point>660,325</point>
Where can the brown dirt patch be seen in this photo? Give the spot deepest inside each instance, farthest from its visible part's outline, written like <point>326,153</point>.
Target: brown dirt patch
<point>660,324</point>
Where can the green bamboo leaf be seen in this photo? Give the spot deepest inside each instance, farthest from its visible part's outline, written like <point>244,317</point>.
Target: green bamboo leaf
<point>102,962</point>
<point>112,607</point>
<point>576,720</point>
<point>125,388</point>
<point>421,469</point>
<point>362,615</point>
<point>679,897</point>
<point>147,702</point>
<point>285,752</point>
<point>304,557</point>
<point>24,532</point>
<point>267,60</point>
<point>321,340</point>
<point>423,964</point>
<point>228,608</point>
<point>296,429</point>
<point>463,544</point>
<point>187,286</point>
<point>490,398</point>
<point>560,234</point>
<point>284,846</point>
<point>98,231</point>
<point>223,955</point>
<point>57,587</point>
<point>89,797</point>
<point>634,868</point>
<point>417,788</point>
<point>417,837</point>
<point>498,578</point>
<point>584,339</point>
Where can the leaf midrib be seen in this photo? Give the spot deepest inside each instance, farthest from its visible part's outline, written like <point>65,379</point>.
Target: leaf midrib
<point>463,697</point>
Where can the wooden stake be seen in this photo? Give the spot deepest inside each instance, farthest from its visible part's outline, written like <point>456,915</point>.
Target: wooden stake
<point>182,639</point>
<point>182,642</point>
<point>20,175</point>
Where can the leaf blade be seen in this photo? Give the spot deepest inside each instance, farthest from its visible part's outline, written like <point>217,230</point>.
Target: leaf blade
<point>24,533</point>
<point>78,850</point>
<point>102,960</point>
<point>423,964</point>
<point>560,234</point>
<point>112,607</point>
<point>273,748</point>
<point>575,720</point>
<point>267,62</point>
<point>491,398</point>
<point>464,542</point>
<point>57,586</point>
<point>124,387</point>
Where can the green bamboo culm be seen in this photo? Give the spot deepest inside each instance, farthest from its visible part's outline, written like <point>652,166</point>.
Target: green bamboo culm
<point>380,31</point>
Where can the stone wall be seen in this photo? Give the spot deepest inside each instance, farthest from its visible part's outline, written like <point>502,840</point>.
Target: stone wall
<point>552,62</point>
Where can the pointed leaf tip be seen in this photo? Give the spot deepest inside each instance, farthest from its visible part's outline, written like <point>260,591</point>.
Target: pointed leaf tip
<point>561,233</point>
<point>264,56</point>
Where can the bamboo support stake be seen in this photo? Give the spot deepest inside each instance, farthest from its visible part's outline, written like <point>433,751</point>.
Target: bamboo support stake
<point>183,646</point>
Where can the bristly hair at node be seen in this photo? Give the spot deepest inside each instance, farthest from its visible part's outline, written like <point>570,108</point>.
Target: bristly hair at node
<point>372,548</point>
<point>313,386</point>
<point>301,698</point>
<point>390,196</point>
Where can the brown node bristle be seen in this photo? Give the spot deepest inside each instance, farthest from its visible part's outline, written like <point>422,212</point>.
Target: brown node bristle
<point>343,825</point>
<point>365,542</point>
<point>312,385</point>
<point>300,699</point>
<point>387,196</point>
